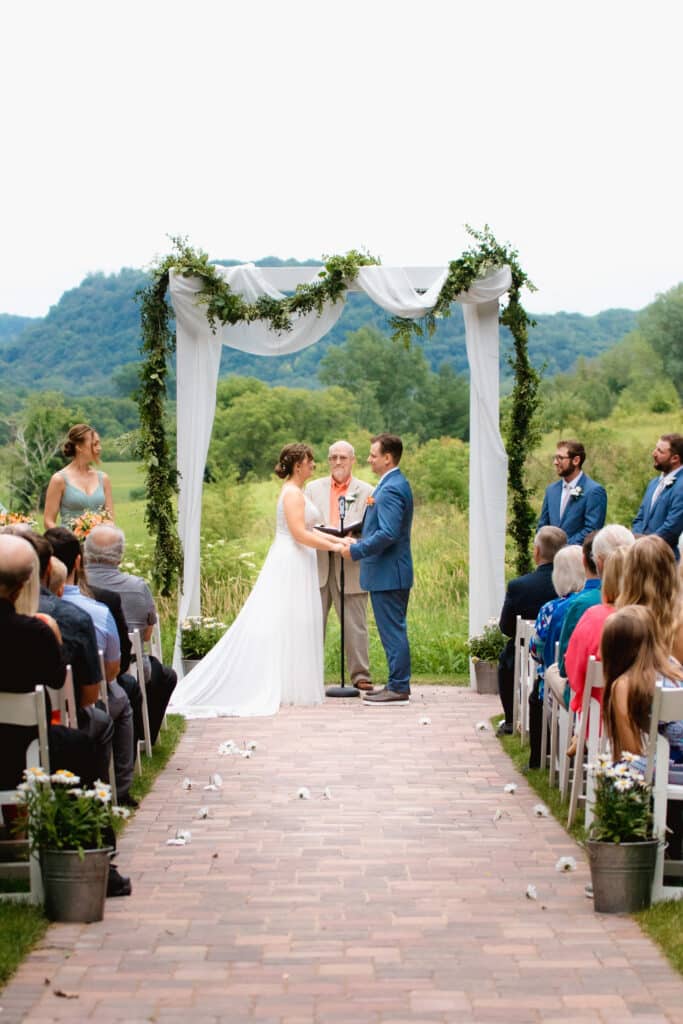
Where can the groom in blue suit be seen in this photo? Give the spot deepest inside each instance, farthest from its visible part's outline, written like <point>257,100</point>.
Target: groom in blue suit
<point>575,503</point>
<point>386,569</point>
<point>661,510</point>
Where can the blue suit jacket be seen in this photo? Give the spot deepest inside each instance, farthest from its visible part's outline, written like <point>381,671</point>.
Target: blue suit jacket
<point>384,547</point>
<point>581,516</point>
<point>666,518</point>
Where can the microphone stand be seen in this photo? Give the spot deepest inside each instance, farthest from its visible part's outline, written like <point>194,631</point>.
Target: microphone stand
<point>343,690</point>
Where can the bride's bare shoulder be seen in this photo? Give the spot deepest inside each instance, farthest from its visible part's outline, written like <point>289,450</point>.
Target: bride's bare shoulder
<point>292,493</point>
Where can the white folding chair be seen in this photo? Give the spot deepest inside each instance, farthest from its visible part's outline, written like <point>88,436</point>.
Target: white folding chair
<point>558,726</point>
<point>545,727</point>
<point>525,671</point>
<point>590,725</point>
<point>146,743</point>
<point>667,706</point>
<point>25,709</point>
<point>64,700</point>
<point>104,697</point>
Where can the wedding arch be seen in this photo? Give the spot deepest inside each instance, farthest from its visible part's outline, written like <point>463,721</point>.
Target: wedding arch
<point>276,311</point>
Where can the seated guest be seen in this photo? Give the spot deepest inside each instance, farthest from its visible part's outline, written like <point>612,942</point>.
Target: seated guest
<point>79,645</point>
<point>128,683</point>
<point>57,577</point>
<point>611,538</point>
<point>632,663</point>
<point>651,578</point>
<point>524,596</point>
<point>103,552</point>
<point>31,656</point>
<point>68,550</point>
<point>585,640</point>
<point>568,578</point>
<point>555,674</point>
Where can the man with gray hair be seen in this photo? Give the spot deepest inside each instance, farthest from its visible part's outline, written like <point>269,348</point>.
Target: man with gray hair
<point>325,494</point>
<point>103,554</point>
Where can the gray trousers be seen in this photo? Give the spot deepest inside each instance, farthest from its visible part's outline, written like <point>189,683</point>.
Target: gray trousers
<point>124,748</point>
<point>355,626</point>
<point>98,726</point>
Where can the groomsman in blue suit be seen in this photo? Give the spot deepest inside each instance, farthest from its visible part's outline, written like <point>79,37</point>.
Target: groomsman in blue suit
<point>661,511</point>
<point>386,569</point>
<point>575,503</point>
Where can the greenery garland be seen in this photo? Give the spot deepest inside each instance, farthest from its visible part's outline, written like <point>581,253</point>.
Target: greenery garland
<point>475,263</point>
<point>224,306</point>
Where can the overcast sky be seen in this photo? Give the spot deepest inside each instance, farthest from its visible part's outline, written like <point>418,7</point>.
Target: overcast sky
<point>297,128</point>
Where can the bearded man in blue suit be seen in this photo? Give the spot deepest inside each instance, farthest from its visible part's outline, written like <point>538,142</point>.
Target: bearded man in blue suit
<point>661,511</point>
<point>386,568</point>
<point>575,503</point>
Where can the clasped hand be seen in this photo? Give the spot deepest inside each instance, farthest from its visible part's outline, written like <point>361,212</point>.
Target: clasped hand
<point>345,543</point>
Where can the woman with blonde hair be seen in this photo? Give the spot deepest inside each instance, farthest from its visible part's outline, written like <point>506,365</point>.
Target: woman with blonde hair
<point>79,487</point>
<point>585,640</point>
<point>651,578</point>
<point>632,663</point>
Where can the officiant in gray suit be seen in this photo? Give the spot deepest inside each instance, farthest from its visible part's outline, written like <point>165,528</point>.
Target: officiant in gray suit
<point>325,494</point>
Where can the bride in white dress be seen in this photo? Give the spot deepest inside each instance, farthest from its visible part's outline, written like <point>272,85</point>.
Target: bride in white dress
<point>273,652</point>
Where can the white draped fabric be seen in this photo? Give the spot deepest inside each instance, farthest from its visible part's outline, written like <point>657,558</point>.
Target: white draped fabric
<point>198,359</point>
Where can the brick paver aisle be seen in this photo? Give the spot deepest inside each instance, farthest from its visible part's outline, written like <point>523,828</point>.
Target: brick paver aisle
<point>399,899</point>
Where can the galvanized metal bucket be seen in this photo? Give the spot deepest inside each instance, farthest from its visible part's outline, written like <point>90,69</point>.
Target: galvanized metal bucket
<point>622,875</point>
<point>486,676</point>
<point>75,887</point>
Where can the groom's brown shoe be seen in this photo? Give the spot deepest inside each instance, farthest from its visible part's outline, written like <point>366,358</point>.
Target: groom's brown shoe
<point>386,696</point>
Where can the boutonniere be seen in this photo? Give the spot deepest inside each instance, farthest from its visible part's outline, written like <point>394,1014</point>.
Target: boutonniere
<point>370,501</point>
<point>670,482</point>
<point>576,492</point>
<point>350,498</point>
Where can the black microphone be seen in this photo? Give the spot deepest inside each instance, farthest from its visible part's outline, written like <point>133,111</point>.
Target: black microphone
<point>342,507</point>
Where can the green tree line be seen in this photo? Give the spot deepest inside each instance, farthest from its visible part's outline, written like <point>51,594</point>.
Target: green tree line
<point>364,385</point>
<point>92,334</point>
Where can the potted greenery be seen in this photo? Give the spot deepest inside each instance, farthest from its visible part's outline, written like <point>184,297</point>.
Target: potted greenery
<point>198,634</point>
<point>485,649</point>
<point>621,848</point>
<point>69,830</point>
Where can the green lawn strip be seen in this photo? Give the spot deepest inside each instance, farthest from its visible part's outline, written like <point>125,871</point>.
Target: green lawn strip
<point>23,925</point>
<point>663,922</point>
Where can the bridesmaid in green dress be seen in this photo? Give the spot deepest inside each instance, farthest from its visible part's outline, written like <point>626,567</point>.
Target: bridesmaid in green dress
<point>78,488</point>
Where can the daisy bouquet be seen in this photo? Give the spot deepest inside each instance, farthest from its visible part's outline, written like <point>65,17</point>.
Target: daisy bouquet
<point>622,812</point>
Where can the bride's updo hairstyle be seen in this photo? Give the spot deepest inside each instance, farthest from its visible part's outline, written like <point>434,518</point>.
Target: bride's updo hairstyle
<point>290,457</point>
<point>76,436</point>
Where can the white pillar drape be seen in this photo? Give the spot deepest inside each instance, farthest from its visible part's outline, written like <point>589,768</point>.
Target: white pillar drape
<point>198,360</point>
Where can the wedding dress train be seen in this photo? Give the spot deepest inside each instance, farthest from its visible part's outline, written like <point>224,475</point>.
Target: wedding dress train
<point>272,654</point>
